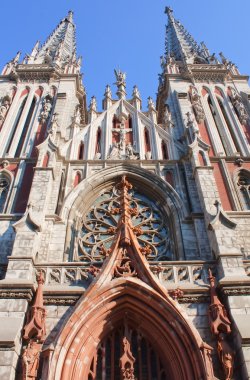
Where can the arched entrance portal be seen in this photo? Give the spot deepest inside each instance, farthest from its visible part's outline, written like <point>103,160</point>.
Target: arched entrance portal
<point>126,327</point>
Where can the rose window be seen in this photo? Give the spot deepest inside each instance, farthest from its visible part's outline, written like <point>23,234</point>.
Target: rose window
<point>99,226</point>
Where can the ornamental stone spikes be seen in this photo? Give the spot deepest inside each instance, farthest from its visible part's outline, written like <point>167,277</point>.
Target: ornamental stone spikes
<point>121,84</point>
<point>35,325</point>
<point>34,333</point>
<point>221,327</point>
<point>136,98</point>
<point>107,101</point>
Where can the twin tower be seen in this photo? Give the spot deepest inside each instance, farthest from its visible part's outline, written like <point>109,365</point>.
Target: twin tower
<point>125,234</point>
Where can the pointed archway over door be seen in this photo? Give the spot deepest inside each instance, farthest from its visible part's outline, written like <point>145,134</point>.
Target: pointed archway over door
<point>127,298</point>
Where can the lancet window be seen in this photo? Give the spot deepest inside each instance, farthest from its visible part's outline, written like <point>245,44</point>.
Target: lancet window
<point>215,117</point>
<point>98,227</point>
<point>18,117</point>
<point>147,141</point>
<point>81,151</point>
<point>164,150</point>
<point>4,190</point>
<point>25,128</point>
<point>229,126</point>
<point>243,184</point>
<point>127,354</point>
<point>98,142</point>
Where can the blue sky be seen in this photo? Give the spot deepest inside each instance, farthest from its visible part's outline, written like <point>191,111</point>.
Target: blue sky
<point>128,34</point>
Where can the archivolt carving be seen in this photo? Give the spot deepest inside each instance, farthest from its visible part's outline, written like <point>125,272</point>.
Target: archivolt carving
<point>99,226</point>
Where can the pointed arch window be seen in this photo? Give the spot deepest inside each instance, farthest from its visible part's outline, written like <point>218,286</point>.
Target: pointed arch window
<point>98,141</point>
<point>164,150</point>
<point>18,117</point>
<point>25,128</point>
<point>227,122</point>
<point>4,191</point>
<point>77,179</point>
<point>243,184</point>
<point>80,151</point>
<point>147,140</point>
<point>126,353</point>
<point>46,160</point>
<point>216,122</point>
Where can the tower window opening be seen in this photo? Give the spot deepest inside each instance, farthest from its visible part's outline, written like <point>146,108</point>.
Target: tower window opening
<point>98,141</point>
<point>214,115</point>
<point>18,117</point>
<point>25,128</point>
<point>164,149</point>
<point>81,151</point>
<point>229,126</point>
<point>147,140</point>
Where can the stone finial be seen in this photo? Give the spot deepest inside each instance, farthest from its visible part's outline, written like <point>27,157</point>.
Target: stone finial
<point>136,98</point>
<point>108,93</point>
<point>151,104</point>
<point>93,104</point>
<point>70,16</point>
<point>136,93</point>
<point>168,10</point>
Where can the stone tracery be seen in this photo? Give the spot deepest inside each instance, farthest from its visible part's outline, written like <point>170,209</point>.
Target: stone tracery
<point>99,225</point>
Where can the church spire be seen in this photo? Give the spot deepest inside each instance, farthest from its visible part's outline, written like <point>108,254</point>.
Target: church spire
<point>181,45</point>
<point>60,47</point>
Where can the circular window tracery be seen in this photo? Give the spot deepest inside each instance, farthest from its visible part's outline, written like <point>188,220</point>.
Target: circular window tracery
<point>98,227</point>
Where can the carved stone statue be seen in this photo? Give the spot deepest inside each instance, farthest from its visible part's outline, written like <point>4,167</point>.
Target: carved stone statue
<point>238,105</point>
<point>130,152</point>
<point>115,153</point>
<point>5,105</point>
<point>30,360</point>
<point>120,78</point>
<point>46,110</point>
<point>197,106</point>
<point>226,356</point>
<point>167,117</point>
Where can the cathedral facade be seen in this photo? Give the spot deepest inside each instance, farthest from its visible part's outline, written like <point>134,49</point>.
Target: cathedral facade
<point>125,234</point>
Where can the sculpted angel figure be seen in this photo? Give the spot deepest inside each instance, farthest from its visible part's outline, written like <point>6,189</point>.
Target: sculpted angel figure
<point>120,77</point>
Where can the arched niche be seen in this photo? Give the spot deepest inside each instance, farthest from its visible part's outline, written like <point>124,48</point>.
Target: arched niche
<point>157,317</point>
<point>80,200</point>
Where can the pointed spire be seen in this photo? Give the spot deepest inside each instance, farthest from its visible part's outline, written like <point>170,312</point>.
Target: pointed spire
<point>60,47</point>
<point>136,98</point>
<point>35,325</point>
<point>180,44</point>
<point>219,322</point>
<point>107,101</point>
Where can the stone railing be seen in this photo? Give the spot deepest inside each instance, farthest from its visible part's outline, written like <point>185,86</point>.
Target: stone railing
<point>183,273</point>
<point>174,274</point>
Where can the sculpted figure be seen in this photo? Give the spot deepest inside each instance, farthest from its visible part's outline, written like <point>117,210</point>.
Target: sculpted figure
<point>115,152</point>
<point>30,360</point>
<point>197,106</point>
<point>47,106</point>
<point>4,108</point>
<point>226,356</point>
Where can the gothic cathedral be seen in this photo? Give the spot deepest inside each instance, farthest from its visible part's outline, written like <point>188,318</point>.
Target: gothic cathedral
<point>125,234</point>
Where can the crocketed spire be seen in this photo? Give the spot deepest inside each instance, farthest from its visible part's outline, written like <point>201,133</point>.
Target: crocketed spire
<point>182,46</point>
